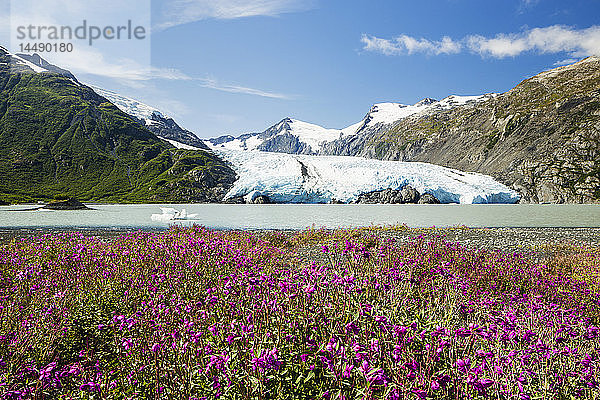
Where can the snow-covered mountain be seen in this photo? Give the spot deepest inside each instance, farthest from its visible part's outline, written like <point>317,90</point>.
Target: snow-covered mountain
<point>290,178</point>
<point>297,137</point>
<point>299,162</point>
<point>130,106</point>
<point>154,120</point>
<point>287,136</point>
<point>162,126</point>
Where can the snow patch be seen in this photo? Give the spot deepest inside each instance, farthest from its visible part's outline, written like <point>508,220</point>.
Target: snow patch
<point>235,144</point>
<point>458,101</point>
<point>179,145</point>
<point>28,64</point>
<point>387,113</point>
<point>252,143</point>
<point>311,134</point>
<point>129,106</point>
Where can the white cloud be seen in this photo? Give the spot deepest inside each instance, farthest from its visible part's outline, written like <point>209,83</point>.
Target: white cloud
<point>405,44</point>
<point>551,39</point>
<point>129,66</point>
<point>554,39</point>
<point>185,11</point>
<point>500,46</point>
<point>126,61</point>
<point>566,61</point>
<point>91,61</point>
<point>525,4</point>
<point>214,84</point>
<point>133,74</point>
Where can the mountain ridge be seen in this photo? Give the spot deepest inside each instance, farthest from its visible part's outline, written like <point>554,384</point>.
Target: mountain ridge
<point>59,137</point>
<point>293,136</point>
<point>540,139</point>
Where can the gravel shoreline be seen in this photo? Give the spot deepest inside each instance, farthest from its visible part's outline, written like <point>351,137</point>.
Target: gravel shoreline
<point>7,235</point>
<point>512,239</point>
<point>538,244</point>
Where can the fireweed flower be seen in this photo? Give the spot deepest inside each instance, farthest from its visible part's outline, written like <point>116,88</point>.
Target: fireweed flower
<point>89,387</point>
<point>463,364</point>
<point>127,343</point>
<point>415,319</point>
<point>348,371</point>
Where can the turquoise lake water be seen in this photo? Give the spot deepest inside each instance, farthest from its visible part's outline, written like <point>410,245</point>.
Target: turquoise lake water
<point>299,216</point>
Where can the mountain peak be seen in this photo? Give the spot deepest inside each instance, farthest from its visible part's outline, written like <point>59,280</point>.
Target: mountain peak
<point>282,125</point>
<point>38,61</point>
<point>425,102</point>
<point>594,58</point>
<point>382,106</point>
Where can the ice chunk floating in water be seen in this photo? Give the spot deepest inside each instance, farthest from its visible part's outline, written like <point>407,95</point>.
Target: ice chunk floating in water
<point>171,214</point>
<point>288,178</point>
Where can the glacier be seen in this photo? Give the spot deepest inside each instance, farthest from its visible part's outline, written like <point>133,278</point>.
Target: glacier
<point>289,178</point>
<point>129,106</point>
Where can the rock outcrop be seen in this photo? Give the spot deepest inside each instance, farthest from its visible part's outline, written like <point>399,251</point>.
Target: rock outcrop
<point>407,195</point>
<point>262,199</point>
<point>70,204</point>
<point>428,198</point>
<point>167,128</point>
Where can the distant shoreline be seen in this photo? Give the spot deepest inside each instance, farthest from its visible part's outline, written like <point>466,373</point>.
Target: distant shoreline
<point>538,241</point>
<point>95,203</point>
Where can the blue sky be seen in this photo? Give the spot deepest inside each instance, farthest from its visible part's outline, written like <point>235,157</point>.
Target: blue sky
<point>239,65</point>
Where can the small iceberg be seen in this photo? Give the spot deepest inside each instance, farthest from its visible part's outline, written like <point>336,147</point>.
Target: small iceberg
<point>172,214</point>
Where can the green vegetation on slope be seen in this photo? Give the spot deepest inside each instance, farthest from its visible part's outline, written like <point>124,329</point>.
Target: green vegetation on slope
<point>60,137</point>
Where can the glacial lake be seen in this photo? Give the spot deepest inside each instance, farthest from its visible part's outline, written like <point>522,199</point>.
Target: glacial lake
<point>300,216</point>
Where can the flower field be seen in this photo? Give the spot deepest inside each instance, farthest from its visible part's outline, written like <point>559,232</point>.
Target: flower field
<point>201,314</point>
